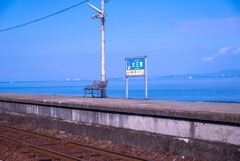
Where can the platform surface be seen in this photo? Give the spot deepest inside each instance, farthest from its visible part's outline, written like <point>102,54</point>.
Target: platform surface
<point>205,111</point>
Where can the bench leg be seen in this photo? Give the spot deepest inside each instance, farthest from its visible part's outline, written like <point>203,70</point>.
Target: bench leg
<point>92,93</point>
<point>103,94</point>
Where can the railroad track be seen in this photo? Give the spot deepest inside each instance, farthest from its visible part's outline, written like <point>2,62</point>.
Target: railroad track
<point>60,148</point>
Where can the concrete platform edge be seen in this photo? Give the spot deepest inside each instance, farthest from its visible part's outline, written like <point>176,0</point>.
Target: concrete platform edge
<point>189,115</point>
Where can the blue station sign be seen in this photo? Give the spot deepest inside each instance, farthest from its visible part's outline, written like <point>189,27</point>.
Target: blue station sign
<point>135,67</point>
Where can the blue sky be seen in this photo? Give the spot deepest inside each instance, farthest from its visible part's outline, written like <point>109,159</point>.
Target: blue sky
<point>178,37</point>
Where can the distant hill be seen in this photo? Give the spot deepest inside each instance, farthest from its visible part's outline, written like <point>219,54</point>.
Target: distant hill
<point>230,73</point>
<point>223,73</point>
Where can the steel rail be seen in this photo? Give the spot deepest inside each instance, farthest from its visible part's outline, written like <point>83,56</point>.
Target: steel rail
<point>87,147</point>
<point>40,149</point>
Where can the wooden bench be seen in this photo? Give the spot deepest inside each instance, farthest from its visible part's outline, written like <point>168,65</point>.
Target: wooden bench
<point>97,86</point>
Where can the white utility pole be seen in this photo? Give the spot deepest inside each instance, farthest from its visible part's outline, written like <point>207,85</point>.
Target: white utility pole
<point>103,74</point>
<point>102,15</point>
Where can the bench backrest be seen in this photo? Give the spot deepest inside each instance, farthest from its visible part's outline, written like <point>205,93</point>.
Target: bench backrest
<point>100,84</point>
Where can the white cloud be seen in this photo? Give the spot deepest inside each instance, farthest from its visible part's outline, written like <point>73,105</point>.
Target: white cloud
<point>227,51</point>
<point>237,51</point>
<point>224,51</point>
<point>206,59</point>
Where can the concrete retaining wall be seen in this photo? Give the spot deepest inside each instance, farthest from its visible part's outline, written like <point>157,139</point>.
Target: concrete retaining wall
<point>222,132</point>
<point>156,142</point>
<point>211,140</point>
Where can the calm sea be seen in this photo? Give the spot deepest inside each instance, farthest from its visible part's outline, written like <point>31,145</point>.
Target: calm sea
<point>199,89</point>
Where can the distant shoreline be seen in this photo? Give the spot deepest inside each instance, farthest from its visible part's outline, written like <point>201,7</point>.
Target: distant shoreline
<point>119,79</point>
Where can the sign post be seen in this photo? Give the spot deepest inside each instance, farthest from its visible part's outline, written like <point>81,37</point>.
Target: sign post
<point>136,67</point>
